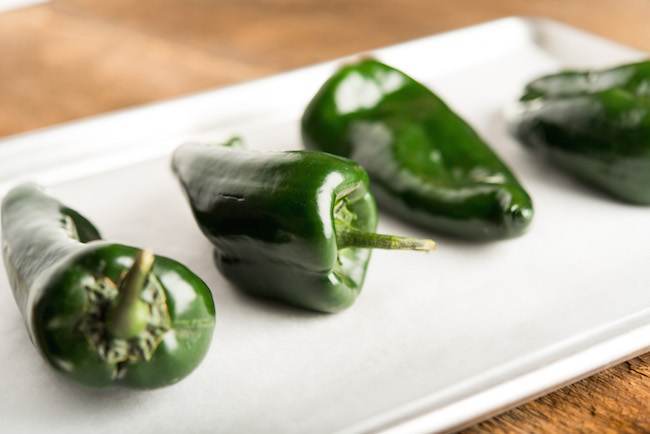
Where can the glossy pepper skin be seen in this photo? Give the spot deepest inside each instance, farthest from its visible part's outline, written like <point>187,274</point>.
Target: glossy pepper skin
<point>593,124</point>
<point>102,314</point>
<point>276,220</point>
<point>425,163</point>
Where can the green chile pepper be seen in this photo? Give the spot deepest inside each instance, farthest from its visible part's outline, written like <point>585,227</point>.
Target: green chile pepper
<point>425,163</point>
<point>100,313</point>
<point>295,226</point>
<point>593,124</point>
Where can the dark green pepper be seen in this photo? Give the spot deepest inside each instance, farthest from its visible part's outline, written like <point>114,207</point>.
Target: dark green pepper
<point>295,226</point>
<point>593,124</point>
<point>100,313</point>
<point>425,163</point>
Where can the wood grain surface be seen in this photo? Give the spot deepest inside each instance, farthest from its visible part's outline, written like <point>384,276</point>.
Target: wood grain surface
<point>70,59</point>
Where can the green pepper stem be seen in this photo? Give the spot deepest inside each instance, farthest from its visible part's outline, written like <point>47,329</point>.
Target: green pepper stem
<point>129,315</point>
<point>351,237</point>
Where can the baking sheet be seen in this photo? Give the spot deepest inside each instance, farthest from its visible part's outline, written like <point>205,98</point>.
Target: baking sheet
<point>435,341</point>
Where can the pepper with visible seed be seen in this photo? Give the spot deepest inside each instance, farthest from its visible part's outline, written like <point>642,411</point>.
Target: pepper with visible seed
<point>425,163</point>
<point>102,314</point>
<point>296,226</point>
<point>594,124</point>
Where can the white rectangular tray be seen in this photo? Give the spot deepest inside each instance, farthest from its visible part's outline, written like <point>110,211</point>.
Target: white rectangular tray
<point>434,342</point>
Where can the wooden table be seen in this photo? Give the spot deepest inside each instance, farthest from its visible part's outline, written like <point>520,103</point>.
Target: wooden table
<point>69,59</point>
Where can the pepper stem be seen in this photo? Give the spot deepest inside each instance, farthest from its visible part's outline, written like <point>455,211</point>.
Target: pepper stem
<point>129,315</point>
<point>351,237</point>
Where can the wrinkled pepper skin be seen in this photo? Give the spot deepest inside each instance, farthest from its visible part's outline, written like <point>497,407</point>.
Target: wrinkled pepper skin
<point>271,218</point>
<point>66,281</point>
<point>593,124</point>
<point>425,163</point>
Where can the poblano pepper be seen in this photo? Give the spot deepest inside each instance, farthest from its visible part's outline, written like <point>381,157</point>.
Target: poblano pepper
<point>295,226</point>
<point>595,124</point>
<point>425,163</point>
<point>102,314</point>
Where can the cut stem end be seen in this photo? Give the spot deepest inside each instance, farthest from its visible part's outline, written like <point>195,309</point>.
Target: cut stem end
<point>350,237</point>
<point>129,315</point>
